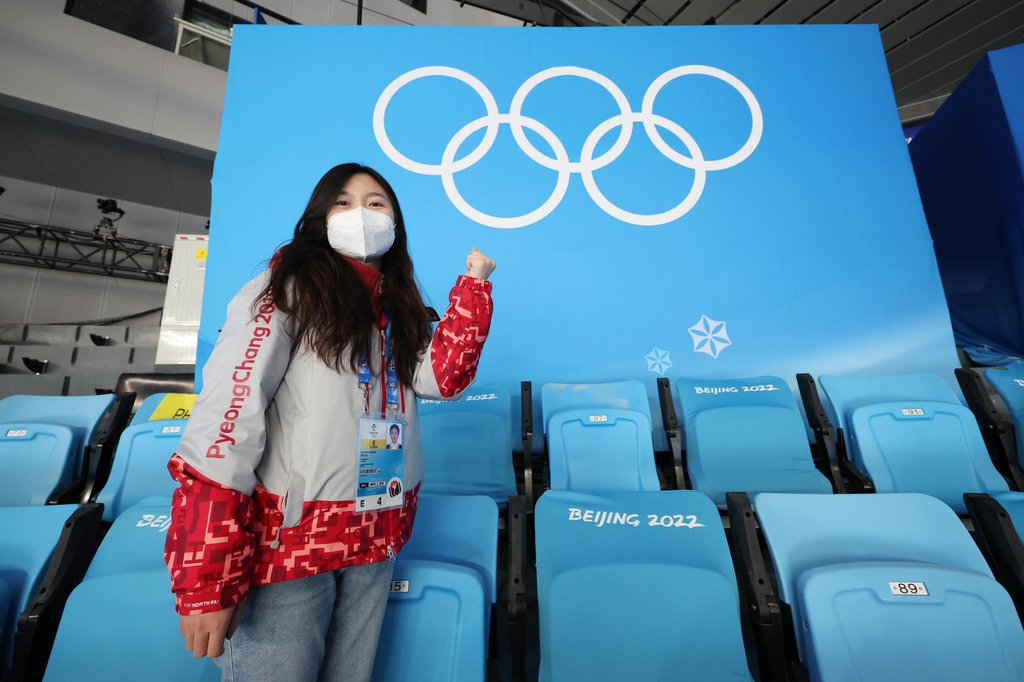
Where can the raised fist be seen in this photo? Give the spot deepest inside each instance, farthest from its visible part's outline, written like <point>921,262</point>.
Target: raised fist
<point>478,265</point>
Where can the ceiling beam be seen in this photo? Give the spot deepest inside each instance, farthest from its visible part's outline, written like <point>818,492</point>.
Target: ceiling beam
<point>548,13</point>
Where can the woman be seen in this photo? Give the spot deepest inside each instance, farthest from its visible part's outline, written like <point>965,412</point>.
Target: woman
<point>288,514</point>
<point>395,432</point>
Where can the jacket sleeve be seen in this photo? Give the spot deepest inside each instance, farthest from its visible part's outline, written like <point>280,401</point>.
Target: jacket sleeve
<point>448,366</point>
<point>209,547</point>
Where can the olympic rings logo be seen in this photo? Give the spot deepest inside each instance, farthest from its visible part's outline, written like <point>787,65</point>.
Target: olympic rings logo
<point>587,164</point>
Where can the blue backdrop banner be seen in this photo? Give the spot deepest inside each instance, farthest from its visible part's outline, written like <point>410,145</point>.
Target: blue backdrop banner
<point>969,160</point>
<point>681,202</point>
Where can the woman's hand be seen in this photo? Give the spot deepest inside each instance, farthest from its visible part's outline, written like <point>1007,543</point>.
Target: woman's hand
<point>478,265</point>
<point>205,633</point>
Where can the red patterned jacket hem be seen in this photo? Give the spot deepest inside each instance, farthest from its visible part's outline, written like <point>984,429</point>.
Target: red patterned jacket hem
<point>330,535</point>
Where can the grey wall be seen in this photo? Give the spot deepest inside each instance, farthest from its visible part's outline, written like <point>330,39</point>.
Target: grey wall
<point>40,296</point>
<point>86,112</point>
<point>375,12</point>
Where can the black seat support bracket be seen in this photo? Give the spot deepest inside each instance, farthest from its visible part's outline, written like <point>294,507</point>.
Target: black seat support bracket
<point>759,599</point>
<point>998,433</point>
<point>672,433</point>
<point>526,403</point>
<point>517,540</point>
<point>824,432</point>
<point>999,543</point>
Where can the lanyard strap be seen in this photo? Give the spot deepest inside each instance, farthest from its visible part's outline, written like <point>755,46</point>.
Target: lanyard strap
<point>387,361</point>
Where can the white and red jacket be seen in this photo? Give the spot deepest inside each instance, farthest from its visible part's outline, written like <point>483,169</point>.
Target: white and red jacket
<point>267,463</point>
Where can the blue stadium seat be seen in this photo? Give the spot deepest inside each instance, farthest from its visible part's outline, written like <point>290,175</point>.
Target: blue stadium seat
<point>81,414</point>
<point>850,567</point>
<point>433,629</point>
<point>42,551</point>
<point>1009,384</point>
<point>36,460</point>
<point>910,433</point>
<point>467,444</point>
<point>746,435</point>
<point>599,437</point>
<point>459,530</point>
<point>120,620</point>
<point>636,586</point>
<point>443,590</point>
<point>139,468</point>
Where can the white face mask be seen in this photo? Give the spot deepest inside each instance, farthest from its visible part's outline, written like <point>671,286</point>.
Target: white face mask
<point>361,234</point>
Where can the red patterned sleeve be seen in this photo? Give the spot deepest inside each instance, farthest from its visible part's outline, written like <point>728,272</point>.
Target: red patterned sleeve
<point>209,547</point>
<point>460,335</point>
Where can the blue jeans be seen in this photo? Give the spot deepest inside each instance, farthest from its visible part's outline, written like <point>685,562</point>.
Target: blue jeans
<point>323,628</point>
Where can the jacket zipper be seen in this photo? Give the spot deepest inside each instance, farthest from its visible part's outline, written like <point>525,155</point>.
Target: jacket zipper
<point>284,504</point>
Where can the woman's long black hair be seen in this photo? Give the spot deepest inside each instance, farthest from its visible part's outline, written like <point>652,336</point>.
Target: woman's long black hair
<point>311,282</point>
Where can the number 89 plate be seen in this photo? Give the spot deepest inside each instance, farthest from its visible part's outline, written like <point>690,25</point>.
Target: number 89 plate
<point>909,589</point>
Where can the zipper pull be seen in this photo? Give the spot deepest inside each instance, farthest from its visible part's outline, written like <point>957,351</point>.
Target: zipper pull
<point>391,553</point>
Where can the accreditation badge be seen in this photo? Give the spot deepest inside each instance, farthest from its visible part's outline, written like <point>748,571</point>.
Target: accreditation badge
<point>381,479</point>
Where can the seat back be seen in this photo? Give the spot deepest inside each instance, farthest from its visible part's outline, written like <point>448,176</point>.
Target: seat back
<point>139,469</point>
<point>459,530</point>
<point>636,585</point>
<point>1009,384</point>
<point>467,444</point>
<point>622,395</point>
<point>845,394</point>
<point>27,542</point>
<point>433,628</point>
<point>135,541</point>
<point>81,414</point>
<point>805,532</point>
<point>746,435</point>
<point>104,620</point>
<point>599,437</point>
<point>920,446</point>
<point>36,460</point>
<point>126,598</point>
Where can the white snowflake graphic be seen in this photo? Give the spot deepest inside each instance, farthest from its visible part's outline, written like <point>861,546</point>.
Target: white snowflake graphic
<point>709,336</point>
<point>658,360</point>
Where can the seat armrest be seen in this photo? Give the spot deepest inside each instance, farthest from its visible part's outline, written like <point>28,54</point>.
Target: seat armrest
<point>996,431</point>
<point>526,403</point>
<point>673,433</point>
<point>758,598</point>
<point>827,460</point>
<point>1000,543</point>
<point>517,612</point>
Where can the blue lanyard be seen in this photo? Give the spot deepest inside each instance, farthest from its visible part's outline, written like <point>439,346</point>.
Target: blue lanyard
<point>391,381</point>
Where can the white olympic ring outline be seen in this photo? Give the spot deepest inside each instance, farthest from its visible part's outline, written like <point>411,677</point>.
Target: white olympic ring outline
<point>587,164</point>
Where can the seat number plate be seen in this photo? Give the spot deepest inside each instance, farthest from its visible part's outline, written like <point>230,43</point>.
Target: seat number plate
<point>913,412</point>
<point>598,418</point>
<point>399,585</point>
<point>17,433</point>
<point>171,429</point>
<point>909,589</point>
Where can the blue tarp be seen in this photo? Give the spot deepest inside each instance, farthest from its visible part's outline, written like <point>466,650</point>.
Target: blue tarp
<point>968,160</point>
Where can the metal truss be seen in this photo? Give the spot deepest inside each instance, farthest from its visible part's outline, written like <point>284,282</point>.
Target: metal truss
<point>23,243</point>
<point>540,13</point>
